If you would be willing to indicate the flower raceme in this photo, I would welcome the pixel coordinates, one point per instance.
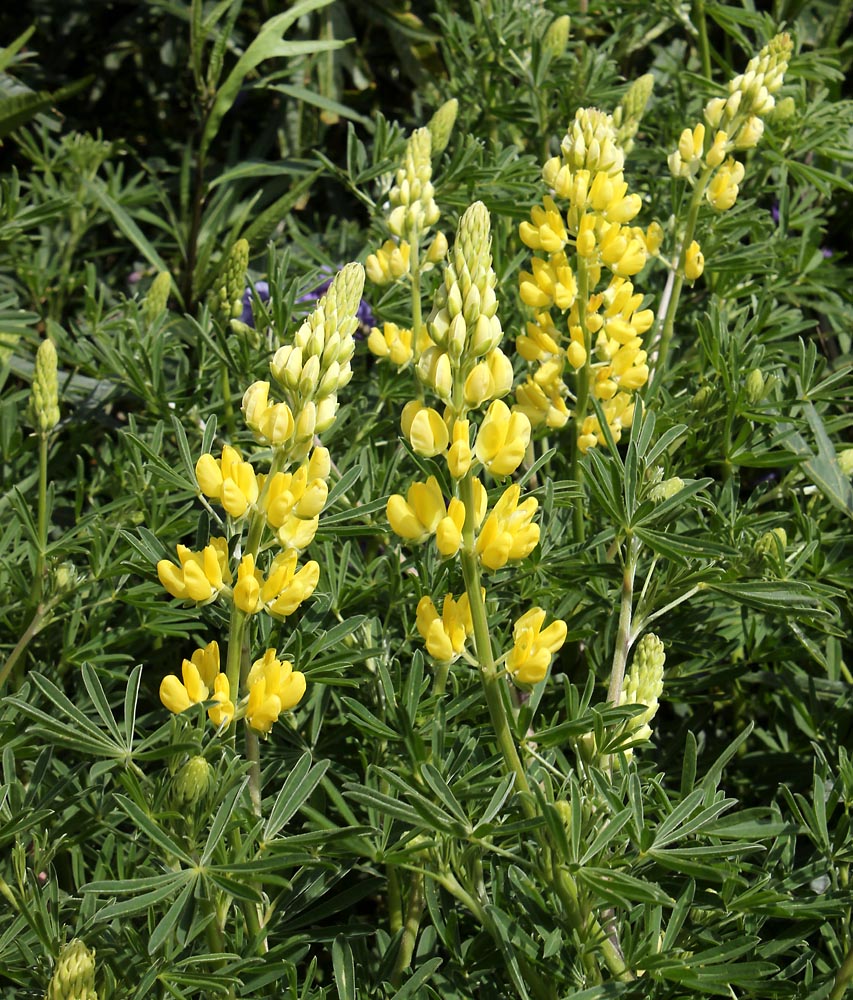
(533, 646)
(591, 234)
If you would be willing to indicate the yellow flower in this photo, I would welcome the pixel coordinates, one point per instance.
(509, 531)
(392, 342)
(416, 517)
(533, 647)
(426, 430)
(448, 532)
(222, 712)
(489, 378)
(445, 636)
(274, 687)
(542, 340)
(271, 423)
(459, 455)
(199, 675)
(230, 480)
(200, 576)
(247, 589)
(540, 405)
(723, 190)
(547, 232)
(694, 262)
(552, 282)
(285, 588)
(391, 261)
(502, 439)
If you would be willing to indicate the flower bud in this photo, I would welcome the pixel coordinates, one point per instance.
(557, 37)
(441, 126)
(157, 298)
(694, 262)
(44, 392)
(754, 387)
(193, 781)
(74, 974)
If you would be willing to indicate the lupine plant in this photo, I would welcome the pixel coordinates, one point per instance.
(427, 559)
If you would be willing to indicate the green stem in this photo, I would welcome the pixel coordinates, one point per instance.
(485, 656)
(842, 977)
(701, 24)
(31, 630)
(623, 635)
(414, 912)
(395, 901)
(564, 883)
(582, 380)
(38, 577)
(667, 320)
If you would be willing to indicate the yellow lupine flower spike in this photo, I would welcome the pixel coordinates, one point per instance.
(229, 480)
(534, 646)
(200, 576)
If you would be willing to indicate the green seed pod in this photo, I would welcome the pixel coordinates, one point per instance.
(441, 126)
(157, 297)
(193, 781)
(845, 461)
(44, 392)
(74, 974)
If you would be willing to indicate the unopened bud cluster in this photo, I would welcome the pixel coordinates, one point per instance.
(227, 301)
(644, 684)
(270, 517)
(630, 111)
(413, 211)
(310, 371)
(467, 372)
(584, 225)
(44, 392)
(732, 124)
(74, 975)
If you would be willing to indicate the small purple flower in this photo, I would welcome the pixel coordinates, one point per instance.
(262, 290)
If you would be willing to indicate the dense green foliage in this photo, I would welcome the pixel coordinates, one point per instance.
(383, 847)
